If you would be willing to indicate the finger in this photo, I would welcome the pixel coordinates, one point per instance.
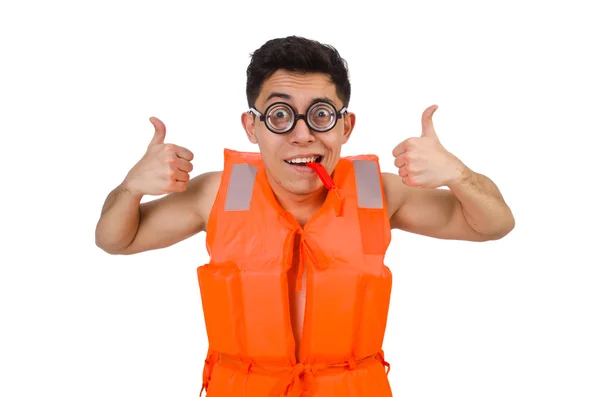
(427, 122)
(403, 172)
(401, 160)
(408, 181)
(180, 176)
(183, 165)
(160, 131)
(184, 153)
(177, 186)
(399, 149)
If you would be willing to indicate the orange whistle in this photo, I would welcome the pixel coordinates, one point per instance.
(322, 173)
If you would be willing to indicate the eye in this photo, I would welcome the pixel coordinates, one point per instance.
(280, 117)
(322, 115)
(281, 114)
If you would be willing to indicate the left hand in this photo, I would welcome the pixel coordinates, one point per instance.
(423, 161)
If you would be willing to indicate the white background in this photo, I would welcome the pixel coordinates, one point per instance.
(517, 87)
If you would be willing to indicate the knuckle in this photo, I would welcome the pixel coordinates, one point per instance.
(179, 186)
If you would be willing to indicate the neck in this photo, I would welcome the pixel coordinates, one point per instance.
(302, 206)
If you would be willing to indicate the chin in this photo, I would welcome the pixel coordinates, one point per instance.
(301, 187)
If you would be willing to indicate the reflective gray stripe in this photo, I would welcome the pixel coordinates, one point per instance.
(241, 184)
(368, 186)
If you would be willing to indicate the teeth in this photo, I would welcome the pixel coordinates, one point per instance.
(302, 160)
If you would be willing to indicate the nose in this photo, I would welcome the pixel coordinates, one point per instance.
(301, 134)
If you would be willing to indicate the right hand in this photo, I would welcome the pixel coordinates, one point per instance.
(163, 169)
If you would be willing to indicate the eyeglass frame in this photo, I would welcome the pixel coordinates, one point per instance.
(338, 115)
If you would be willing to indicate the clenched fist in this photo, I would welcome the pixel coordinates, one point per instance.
(163, 169)
(423, 161)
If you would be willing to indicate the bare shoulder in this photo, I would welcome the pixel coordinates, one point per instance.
(418, 210)
(396, 192)
(207, 187)
(195, 201)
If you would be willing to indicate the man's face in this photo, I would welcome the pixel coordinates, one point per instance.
(298, 91)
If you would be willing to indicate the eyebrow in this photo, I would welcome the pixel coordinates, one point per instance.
(277, 95)
(325, 99)
(289, 97)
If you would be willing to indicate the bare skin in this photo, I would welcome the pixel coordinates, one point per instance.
(471, 209)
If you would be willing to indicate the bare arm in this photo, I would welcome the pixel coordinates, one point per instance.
(482, 205)
(472, 210)
(126, 227)
(119, 220)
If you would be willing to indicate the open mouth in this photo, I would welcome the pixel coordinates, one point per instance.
(301, 161)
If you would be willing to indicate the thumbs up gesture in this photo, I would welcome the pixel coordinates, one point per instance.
(164, 168)
(423, 161)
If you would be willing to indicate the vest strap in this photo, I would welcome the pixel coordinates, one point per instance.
(211, 359)
(371, 213)
(310, 252)
(300, 378)
(240, 188)
(368, 187)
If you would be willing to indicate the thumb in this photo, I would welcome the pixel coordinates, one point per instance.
(427, 122)
(160, 131)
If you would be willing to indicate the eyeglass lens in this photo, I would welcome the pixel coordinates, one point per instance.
(281, 117)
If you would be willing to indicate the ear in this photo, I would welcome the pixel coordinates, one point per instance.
(349, 121)
(248, 124)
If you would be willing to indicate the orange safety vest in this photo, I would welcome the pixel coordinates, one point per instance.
(244, 287)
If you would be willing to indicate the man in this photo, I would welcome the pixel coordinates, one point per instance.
(296, 294)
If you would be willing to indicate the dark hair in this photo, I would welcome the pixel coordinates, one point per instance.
(300, 55)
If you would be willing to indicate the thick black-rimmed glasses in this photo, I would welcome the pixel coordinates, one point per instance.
(280, 117)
